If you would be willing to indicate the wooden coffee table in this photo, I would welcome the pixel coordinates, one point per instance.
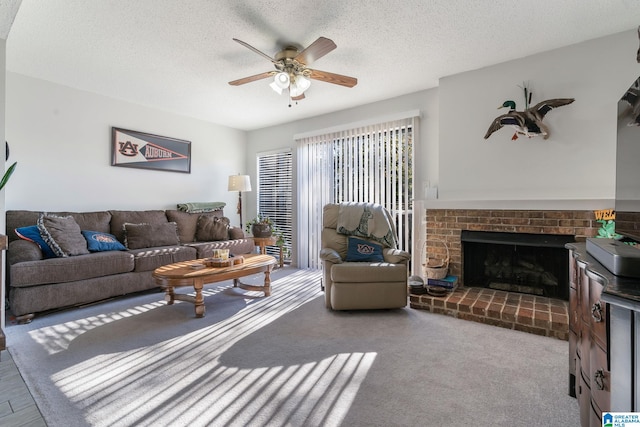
(179, 274)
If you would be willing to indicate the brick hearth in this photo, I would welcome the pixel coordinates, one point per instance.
(535, 314)
(528, 313)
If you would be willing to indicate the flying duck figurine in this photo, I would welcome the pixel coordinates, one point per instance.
(527, 122)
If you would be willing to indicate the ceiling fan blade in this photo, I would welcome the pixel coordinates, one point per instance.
(316, 50)
(248, 46)
(298, 98)
(252, 78)
(336, 79)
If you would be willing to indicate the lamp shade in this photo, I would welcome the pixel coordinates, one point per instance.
(239, 183)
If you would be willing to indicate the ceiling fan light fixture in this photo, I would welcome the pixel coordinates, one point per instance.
(281, 80)
(302, 82)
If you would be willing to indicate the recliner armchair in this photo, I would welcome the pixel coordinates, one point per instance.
(361, 285)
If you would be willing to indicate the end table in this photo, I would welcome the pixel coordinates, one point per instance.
(263, 242)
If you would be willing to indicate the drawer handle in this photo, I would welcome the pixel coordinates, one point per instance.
(599, 379)
(596, 312)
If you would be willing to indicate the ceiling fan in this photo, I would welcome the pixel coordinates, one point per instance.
(291, 70)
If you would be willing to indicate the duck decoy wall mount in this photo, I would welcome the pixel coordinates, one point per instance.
(528, 122)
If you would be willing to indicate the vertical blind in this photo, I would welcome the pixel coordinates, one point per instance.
(365, 164)
(275, 193)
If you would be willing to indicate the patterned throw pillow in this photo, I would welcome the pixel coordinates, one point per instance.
(212, 228)
(360, 250)
(98, 242)
(62, 234)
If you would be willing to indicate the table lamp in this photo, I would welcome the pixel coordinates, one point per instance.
(239, 183)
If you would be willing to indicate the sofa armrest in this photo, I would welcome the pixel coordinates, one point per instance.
(395, 256)
(330, 255)
(23, 250)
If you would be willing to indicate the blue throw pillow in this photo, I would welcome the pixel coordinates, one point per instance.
(363, 250)
(32, 234)
(97, 241)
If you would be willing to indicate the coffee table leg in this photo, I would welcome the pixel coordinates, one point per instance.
(199, 300)
(169, 295)
(267, 282)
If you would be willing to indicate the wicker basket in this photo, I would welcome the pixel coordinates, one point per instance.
(435, 268)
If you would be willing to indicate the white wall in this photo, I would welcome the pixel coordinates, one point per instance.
(574, 168)
(577, 162)
(61, 140)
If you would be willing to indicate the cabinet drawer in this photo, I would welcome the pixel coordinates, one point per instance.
(583, 294)
(584, 350)
(573, 271)
(584, 401)
(600, 378)
(598, 311)
(574, 313)
(573, 352)
(595, 417)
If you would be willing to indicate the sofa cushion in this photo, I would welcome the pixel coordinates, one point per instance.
(118, 218)
(365, 272)
(63, 235)
(188, 223)
(32, 234)
(98, 242)
(138, 236)
(212, 228)
(69, 269)
(96, 221)
(148, 259)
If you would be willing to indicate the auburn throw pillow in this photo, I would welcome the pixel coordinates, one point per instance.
(363, 251)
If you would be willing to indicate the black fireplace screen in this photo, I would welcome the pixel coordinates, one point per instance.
(517, 262)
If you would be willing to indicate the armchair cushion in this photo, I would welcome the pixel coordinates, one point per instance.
(360, 250)
(365, 272)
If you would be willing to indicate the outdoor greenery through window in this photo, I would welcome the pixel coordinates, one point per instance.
(368, 164)
(275, 196)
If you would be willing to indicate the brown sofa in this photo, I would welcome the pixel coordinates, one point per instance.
(155, 238)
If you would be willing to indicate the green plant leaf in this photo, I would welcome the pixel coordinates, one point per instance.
(7, 175)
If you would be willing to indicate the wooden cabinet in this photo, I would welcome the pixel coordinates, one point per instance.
(604, 338)
(589, 371)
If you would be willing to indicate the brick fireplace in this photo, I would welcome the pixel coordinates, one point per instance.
(530, 313)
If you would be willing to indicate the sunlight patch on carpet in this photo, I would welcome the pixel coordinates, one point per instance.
(153, 383)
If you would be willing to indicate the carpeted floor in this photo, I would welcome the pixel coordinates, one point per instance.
(285, 361)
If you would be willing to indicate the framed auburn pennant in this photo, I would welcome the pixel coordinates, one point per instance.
(141, 150)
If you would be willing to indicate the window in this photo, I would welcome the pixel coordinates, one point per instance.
(275, 197)
(367, 164)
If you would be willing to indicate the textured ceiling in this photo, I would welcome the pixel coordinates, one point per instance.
(178, 55)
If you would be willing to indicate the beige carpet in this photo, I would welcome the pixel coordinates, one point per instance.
(285, 361)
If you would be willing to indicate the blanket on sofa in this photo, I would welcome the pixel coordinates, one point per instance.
(200, 207)
(368, 220)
